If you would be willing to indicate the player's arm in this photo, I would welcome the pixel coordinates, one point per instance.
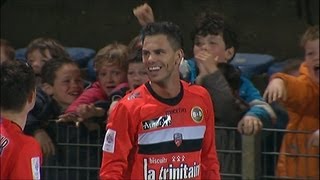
(118, 142)
(209, 159)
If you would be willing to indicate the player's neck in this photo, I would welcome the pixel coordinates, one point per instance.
(18, 118)
(169, 90)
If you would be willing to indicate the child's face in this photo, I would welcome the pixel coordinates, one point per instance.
(137, 74)
(37, 60)
(213, 44)
(312, 58)
(110, 76)
(68, 85)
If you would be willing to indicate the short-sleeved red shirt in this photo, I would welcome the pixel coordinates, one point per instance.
(20, 155)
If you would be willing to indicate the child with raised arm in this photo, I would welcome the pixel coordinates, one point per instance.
(214, 42)
(300, 95)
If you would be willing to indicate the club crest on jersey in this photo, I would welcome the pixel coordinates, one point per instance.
(177, 137)
(162, 121)
(197, 114)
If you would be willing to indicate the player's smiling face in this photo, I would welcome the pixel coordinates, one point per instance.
(159, 58)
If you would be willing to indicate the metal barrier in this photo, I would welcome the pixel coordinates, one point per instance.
(254, 158)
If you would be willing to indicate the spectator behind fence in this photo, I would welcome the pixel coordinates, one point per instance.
(7, 52)
(150, 133)
(41, 50)
(20, 155)
(137, 75)
(300, 95)
(111, 66)
(61, 85)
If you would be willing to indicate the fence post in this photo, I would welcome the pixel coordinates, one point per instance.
(251, 157)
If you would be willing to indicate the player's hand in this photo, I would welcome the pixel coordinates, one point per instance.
(249, 125)
(45, 142)
(144, 14)
(314, 139)
(275, 90)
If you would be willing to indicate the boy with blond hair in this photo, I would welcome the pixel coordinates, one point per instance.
(111, 66)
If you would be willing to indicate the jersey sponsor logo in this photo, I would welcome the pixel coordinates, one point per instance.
(175, 111)
(182, 171)
(177, 137)
(35, 167)
(162, 121)
(109, 141)
(3, 143)
(197, 114)
(153, 160)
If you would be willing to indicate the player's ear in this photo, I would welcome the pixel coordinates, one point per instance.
(32, 96)
(180, 56)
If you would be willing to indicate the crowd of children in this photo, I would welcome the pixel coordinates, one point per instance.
(69, 111)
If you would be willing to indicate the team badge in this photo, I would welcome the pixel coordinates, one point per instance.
(177, 137)
(197, 114)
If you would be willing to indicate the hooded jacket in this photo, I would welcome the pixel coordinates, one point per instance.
(303, 108)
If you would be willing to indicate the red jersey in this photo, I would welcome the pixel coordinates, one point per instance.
(149, 137)
(20, 154)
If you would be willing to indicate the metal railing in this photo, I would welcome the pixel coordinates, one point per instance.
(255, 158)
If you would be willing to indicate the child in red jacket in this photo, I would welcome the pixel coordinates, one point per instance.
(111, 66)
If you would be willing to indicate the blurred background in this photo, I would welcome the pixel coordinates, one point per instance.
(264, 26)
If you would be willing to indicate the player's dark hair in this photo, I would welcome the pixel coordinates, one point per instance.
(169, 29)
(17, 83)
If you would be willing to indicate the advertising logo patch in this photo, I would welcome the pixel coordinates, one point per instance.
(161, 121)
(109, 141)
(197, 114)
(177, 137)
(35, 167)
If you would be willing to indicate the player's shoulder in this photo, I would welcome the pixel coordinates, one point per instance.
(194, 89)
(19, 142)
(136, 97)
